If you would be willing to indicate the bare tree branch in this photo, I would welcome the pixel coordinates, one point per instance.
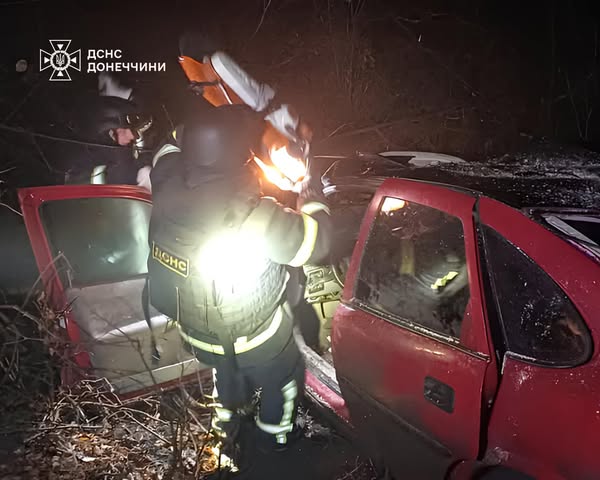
(262, 18)
(11, 209)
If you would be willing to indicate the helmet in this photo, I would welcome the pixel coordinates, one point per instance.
(221, 81)
(117, 108)
(114, 112)
(220, 139)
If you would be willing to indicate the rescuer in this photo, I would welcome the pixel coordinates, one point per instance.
(116, 119)
(219, 251)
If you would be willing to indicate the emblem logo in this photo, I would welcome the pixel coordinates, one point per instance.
(176, 264)
(60, 60)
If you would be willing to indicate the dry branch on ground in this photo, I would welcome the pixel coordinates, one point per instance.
(88, 432)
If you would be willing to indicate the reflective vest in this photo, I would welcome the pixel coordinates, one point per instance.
(198, 273)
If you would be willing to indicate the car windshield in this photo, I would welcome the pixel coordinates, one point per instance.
(584, 229)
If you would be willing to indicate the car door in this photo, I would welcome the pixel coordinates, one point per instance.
(410, 339)
(91, 247)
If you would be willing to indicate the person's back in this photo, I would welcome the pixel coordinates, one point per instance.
(217, 266)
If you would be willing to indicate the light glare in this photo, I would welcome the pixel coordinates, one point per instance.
(286, 172)
(234, 261)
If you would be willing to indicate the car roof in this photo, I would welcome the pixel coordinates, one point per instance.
(546, 178)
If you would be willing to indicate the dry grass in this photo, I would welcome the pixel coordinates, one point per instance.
(86, 431)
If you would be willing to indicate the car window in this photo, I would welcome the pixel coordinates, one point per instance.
(587, 226)
(584, 230)
(102, 239)
(413, 268)
(347, 211)
(539, 321)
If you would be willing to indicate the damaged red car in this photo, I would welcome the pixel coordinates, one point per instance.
(458, 316)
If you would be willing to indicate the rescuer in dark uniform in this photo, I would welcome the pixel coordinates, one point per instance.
(116, 119)
(219, 251)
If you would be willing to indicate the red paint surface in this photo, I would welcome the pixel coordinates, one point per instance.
(332, 399)
(547, 420)
(389, 362)
(30, 200)
(544, 421)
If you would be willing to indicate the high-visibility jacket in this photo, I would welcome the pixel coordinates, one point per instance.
(188, 220)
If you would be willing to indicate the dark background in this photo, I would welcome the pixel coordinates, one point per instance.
(471, 78)
(464, 77)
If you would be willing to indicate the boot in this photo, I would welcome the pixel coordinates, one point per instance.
(266, 444)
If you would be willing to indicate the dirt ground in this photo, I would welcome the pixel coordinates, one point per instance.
(88, 433)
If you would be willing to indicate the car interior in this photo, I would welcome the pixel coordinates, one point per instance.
(325, 283)
(102, 269)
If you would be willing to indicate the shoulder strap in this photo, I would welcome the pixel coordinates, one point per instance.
(166, 149)
(146, 310)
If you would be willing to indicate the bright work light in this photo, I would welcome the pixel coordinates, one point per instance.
(234, 261)
(285, 171)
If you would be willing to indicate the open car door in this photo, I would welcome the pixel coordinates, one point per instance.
(409, 340)
(91, 246)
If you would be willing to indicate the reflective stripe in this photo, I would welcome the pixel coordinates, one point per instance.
(290, 392)
(241, 345)
(223, 414)
(311, 228)
(215, 393)
(441, 282)
(164, 150)
(407, 249)
(200, 345)
(314, 207)
(98, 176)
(216, 424)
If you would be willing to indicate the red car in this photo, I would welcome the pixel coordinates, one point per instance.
(464, 303)
(464, 344)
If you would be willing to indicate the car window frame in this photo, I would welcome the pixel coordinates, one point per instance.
(395, 319)
(541, 216)
(500, 337)
(30, 200)
(65, 274)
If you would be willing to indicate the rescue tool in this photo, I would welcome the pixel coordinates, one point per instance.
(221, 81)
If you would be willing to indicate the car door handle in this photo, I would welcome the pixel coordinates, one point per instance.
(440, 394)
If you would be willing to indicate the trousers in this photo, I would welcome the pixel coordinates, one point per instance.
(279, 381)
